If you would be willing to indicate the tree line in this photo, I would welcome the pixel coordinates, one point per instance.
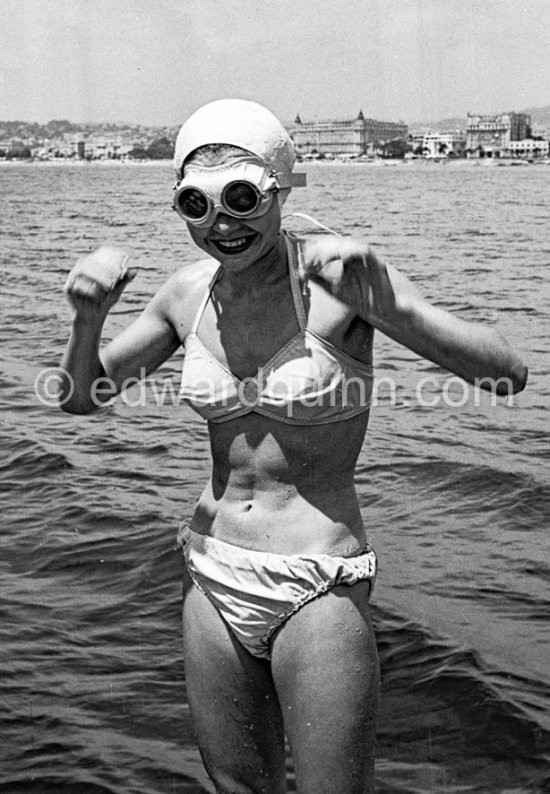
(160, 149)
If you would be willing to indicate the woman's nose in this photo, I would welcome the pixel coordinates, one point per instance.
(224, 224)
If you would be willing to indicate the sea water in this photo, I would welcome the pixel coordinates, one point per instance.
(454, 490)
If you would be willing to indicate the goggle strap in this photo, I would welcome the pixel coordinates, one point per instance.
(298, 179)
(290, 180)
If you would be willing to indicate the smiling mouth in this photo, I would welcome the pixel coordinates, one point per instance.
(236, 246)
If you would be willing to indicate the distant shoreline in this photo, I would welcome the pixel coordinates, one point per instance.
(459, 162)
(81, 163)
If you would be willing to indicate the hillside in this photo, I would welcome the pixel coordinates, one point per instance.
(59, 127)
(55, 129)
(539, 116)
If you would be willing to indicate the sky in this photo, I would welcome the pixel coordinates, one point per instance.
(155, 61)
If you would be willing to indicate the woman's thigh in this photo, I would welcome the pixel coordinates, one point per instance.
(326, 672)
(233, 703)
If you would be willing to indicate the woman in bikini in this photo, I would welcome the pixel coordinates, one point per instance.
(278, 334)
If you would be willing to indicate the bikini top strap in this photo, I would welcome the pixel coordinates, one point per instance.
(294, 255)
(205, 299)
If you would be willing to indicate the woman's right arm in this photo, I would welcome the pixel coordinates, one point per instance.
(89, 379)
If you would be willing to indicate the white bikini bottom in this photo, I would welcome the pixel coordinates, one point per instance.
(255, 592)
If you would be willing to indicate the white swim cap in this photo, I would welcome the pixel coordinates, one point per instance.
(238, 122)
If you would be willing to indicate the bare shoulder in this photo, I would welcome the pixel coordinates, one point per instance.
(183, 291)
(191, 277)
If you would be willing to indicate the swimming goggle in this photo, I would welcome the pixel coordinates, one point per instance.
(242, 189)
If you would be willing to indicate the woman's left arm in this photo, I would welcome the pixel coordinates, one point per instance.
(392, 304)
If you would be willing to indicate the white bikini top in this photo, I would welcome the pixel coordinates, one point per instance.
(308, 381)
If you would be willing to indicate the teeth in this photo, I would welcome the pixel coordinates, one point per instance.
(232, 243)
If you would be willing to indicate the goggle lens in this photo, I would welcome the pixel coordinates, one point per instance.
(193, 203)
(241, 198)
